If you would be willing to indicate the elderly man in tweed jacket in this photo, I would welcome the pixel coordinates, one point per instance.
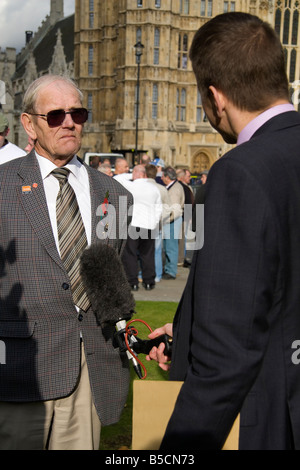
(62, 378)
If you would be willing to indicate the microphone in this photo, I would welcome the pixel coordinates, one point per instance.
(106, 284)
(108, 290)
(110, 294)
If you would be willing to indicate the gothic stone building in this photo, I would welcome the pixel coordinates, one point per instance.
(96, 46)
(171, 121)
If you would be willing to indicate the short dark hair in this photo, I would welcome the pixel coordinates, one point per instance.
(151, 171)
(170, 172)
(242, 56)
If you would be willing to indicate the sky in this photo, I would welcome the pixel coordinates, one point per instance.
(18, 16)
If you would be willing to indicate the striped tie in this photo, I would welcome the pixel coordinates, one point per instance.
(71, 236)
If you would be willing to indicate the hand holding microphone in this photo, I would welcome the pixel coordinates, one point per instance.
(160, 353)
(112, 301)
(108, 290)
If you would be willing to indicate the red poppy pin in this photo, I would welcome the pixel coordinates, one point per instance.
(104, 205)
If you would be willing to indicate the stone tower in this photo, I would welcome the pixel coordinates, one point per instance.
(171, 123)
(56, 10)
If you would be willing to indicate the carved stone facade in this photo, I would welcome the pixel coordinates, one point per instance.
(171, 121)
(98, 50)
(7, 95)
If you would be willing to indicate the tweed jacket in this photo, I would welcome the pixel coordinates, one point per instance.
(39, 324)
(237, 328)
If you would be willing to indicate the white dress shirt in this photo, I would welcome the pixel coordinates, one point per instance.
(147, 205)
(79, 180)
(9, 152)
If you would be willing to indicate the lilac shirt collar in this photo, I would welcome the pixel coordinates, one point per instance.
(260, 120)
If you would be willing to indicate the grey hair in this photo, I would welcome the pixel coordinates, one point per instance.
(35, 87)
(170, 172)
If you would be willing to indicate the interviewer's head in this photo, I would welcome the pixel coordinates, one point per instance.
(241, 56)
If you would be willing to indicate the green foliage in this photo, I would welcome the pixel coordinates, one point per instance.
(155, 314)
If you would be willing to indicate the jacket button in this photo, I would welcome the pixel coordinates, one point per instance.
(80, 317)
(65, 286)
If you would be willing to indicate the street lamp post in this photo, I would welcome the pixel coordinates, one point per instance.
(138, 54)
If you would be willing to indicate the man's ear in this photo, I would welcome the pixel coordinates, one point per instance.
(26, 120)
(218, 101)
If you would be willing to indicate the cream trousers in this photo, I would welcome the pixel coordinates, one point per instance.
(69, 423)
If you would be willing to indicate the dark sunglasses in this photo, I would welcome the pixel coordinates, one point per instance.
(56, 117)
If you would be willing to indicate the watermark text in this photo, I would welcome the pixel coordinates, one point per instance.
(115, 225)
(2, 353)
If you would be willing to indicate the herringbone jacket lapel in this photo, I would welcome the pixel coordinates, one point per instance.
(31, 194)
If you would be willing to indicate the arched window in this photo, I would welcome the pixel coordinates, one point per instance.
(91, 13)
(155, 101)
(181, 105)
(139, 35)
(206, 7)
(295, 28)
(156, 46)
(90, 107)
(185, 6)
(91, 61)
(293, 65)
(286, 26)
(285, 53)
(182, 51)
(200, 115)
(278, 21)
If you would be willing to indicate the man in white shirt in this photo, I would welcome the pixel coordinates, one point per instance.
(8, 151)
(146, 215)
(121, 172)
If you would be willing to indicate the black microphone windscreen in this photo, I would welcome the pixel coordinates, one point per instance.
(106, 284)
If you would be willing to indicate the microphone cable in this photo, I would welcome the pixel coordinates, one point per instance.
(133, 332)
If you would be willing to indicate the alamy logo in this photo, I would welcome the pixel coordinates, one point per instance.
(296, 94)
(113, 224)
(296, 354)
(2, 353)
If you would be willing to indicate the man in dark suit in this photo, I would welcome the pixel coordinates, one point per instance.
(62, 378)
(237, 327)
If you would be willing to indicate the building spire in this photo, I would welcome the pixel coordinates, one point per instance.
(59, 64)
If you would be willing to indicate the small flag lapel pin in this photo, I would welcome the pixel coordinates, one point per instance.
(26, 189)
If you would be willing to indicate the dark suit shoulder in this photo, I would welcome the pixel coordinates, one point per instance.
(273, 149)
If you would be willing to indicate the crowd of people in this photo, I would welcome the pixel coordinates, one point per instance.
(158, 209)
(236, 332)
(158, 217)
